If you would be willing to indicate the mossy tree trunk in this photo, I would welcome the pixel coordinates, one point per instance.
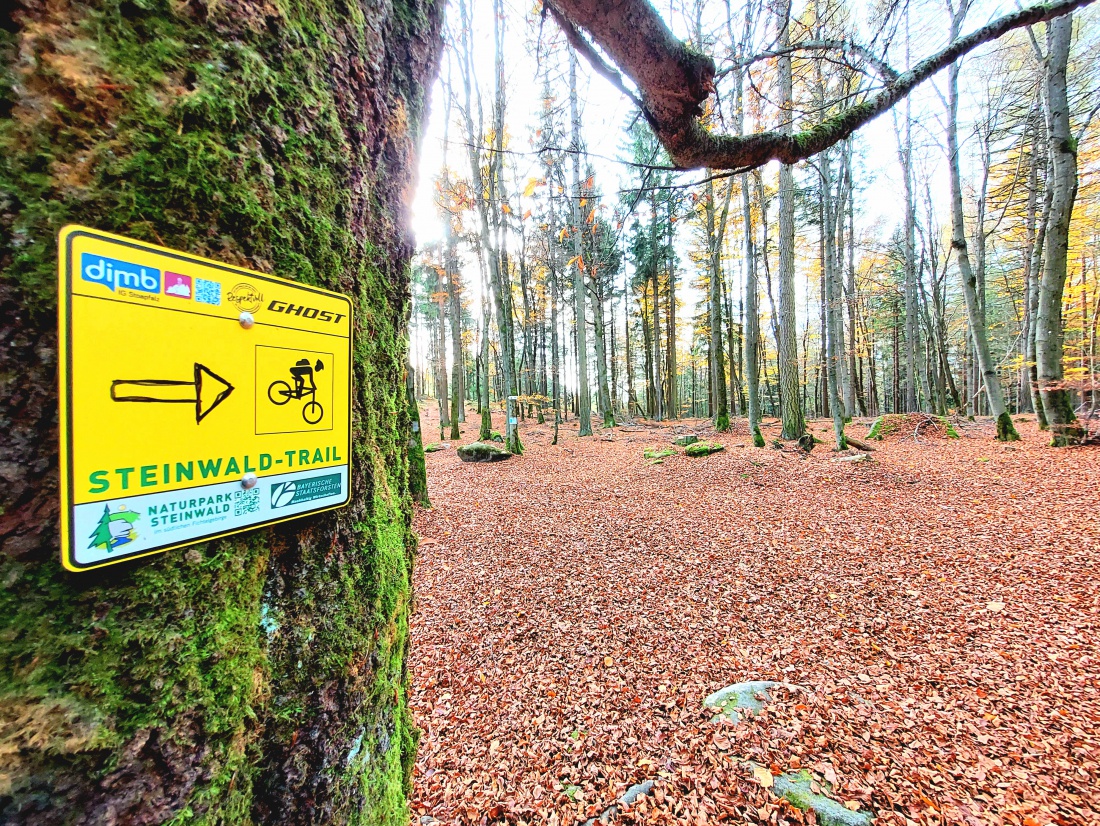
(255, 679)
(1057, 398)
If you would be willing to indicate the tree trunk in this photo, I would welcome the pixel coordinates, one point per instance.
(672, 406)
(833, 312)
(259, 678)
(912, 335)
(584, 412)
(1057, 402)
(794, 423)
(752, 319)
(1006, 431)
(716, 360)
(442, 391)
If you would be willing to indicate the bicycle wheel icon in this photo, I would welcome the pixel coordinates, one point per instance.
(279, 392)
(313, 412)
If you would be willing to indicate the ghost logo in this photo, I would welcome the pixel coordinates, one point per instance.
(245, 298)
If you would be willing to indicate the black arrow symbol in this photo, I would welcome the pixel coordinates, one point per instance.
(206, 391)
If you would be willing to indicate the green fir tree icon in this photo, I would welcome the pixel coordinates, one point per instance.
(110, 532)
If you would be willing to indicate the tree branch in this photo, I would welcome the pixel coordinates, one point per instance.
(674, 82)
(882, 68)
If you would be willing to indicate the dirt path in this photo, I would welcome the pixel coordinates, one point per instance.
(574, 606)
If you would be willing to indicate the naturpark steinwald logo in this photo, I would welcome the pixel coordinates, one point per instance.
(114, 529)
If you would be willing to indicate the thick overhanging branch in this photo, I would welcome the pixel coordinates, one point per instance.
(674, 82)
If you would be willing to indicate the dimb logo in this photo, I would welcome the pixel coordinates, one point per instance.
(245, 297)
(114, 529)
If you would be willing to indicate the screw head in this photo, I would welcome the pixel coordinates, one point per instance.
(248, 481)
(247, 320)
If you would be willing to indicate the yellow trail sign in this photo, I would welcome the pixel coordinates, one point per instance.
(197, 399)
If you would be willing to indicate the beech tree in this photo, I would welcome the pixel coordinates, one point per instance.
(258, 678)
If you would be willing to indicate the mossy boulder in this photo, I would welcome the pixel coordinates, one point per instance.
(482, 452)
(496, 437)
(733, 699)
(796, 789)
(657, 454)
(433, 447)
(703, 448)
(686, 439)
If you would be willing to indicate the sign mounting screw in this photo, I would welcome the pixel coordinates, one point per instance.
(247, 320)
(248, 481)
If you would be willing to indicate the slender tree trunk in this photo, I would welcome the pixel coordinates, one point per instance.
(752, 318)
(584, 412)
(1057, 400)
(715, 352)
(672, 406)
(794, 423)
(598, 338)
(1006, 431)
(834, 312)
(912, 334)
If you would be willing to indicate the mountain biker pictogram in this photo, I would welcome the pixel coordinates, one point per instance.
(280, 392)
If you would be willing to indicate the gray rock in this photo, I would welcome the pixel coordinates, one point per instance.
(482, 452)
(795, 788)
(636, 791)
(739, 697)
(684, 441)
(629, 797)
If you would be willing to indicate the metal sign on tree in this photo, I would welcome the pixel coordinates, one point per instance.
(197, 399)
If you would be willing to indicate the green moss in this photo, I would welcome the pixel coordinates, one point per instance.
(722, 423)
(951, 433)
(703, 449)
(878, 429)
(657, 453)
(1006, 430)
(151, 645)
(757, 437)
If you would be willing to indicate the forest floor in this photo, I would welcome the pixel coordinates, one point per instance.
(935, 614)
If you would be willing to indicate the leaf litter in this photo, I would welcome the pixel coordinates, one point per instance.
(931, 616)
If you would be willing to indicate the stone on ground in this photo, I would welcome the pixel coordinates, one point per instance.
(482, 452)
(739, 696)
(688, 439)
(795, 788)
(703, 448)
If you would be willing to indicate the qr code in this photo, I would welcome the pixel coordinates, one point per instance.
(246, 502)
(208, 292)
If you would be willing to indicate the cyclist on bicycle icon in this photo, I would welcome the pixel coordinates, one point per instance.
(302, 371)
(304, 386)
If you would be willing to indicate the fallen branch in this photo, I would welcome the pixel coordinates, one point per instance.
(858, 443)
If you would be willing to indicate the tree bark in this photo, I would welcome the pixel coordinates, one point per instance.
(1049, 332)
(258, 678)
(1006, 431)
(794, 423)
(584, 412)
(716, 355)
